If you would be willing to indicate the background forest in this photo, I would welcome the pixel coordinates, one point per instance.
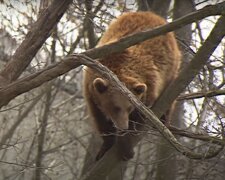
(45, 132)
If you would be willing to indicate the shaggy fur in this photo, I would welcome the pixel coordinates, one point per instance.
(146, 69)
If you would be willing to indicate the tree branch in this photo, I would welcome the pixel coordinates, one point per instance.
(192, 69)
(133, 39)
(196, 95)
(197, 136)
(33, 41)
(10, 132)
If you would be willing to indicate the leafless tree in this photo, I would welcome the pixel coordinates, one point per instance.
(45, 130)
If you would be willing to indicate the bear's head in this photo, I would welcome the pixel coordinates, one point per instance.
(115, 105)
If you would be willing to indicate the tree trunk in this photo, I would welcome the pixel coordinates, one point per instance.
(168, 168)
(160, 7)
(41, 135)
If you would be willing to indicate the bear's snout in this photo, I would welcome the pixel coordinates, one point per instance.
(122, 124)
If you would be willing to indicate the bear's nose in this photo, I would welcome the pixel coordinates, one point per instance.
(122, 124)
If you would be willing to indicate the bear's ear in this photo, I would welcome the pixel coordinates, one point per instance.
(100, 84)
(140, 88)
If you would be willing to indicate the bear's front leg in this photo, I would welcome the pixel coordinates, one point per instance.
(124, 139)
(105, 128)
(108, 134)
(124, 145)
(108, 141)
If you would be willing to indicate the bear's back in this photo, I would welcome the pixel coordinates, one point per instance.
(158, 57)
(129, 23)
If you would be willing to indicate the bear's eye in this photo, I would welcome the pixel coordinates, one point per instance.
(116, 109)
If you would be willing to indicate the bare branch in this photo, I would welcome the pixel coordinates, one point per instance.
(192, 69)
(35, 38)
(199, 136)
(20, 119)
(196, 95)
(133, 39)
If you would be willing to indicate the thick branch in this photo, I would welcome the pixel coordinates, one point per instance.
(35, 38)
(192, 69)
(133, 39)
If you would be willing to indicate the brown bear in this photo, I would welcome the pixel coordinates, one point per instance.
(146, 69)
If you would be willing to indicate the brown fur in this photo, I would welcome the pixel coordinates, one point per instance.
(146, 69)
